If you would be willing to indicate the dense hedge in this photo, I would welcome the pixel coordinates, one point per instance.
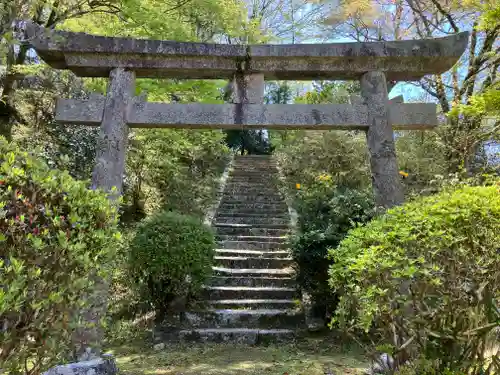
(170, 257)
(425, 278)
(326, 214)
(54, 233)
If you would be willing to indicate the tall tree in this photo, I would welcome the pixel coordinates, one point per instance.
(14, 46)
(475, 74)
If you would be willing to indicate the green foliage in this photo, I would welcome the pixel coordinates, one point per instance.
(326, 214)
(173, 169)
(170, 257)
(278, 93)
(425, 277)
(421, 156)
(304, 155)
(325, 92)
(248, 142)
(54, 233)
(63, 146)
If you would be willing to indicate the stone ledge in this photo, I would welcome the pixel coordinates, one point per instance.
(101, 366)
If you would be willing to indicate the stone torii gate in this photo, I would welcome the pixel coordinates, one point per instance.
(248, 66)
(125, 59)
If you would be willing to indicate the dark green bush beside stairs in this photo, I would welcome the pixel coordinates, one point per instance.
(54, 234)
(171, 256)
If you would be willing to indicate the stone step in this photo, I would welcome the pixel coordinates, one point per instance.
(252, 262)
(250, 190)
(252, 245)
(253, 272)
(255, 163)
(280, 282)
(273, 239)
(253, 207)
(246, 304)
(235, 199)
(226, 229)
(253, 225)
(253, 253)
(254, 156)
(236, 318)
(255, 177)
(253, 212)
(247, 292)
(251, 170)
(237, 335)
(264, 180)
(254, 219)
(265, 185)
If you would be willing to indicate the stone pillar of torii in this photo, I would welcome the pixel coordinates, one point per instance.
(123, 60)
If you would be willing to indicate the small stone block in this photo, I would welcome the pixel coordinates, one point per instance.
(105, 365)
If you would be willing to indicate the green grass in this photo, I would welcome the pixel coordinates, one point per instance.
(311, 357)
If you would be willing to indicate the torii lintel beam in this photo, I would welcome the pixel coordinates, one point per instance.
(141, 114)
(95, 56)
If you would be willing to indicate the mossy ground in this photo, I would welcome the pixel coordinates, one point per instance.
(312, 356)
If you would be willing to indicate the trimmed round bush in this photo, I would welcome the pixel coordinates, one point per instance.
(54, 234)
(425, 278)
(171, 256)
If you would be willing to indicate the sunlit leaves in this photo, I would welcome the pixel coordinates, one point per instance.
(428, 269)
(54, 234)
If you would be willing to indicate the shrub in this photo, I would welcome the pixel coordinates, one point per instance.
(170, 257)
(54, 232)
(326, 214)
(425, 278)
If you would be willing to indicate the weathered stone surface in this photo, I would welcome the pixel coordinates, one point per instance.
(266, 239)
(237, 318)
(282, 282)
(248, 88)
(236, 292)
(280, 219)
(253, 262)
(273, 116)
(387, 187)
(241, 231)
(212, 210)
(108, 174)
(313, 323)
(237, 335)
(113, 137)
(242, 198)
(231, 243)
(253, 272)
(253, 303)
(95, 56)
(253, 253)
(101, 366)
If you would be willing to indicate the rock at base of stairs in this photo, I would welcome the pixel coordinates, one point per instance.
(240, 318)
(101, 366)
(237, 335)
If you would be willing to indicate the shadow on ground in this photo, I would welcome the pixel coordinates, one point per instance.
(309, 356)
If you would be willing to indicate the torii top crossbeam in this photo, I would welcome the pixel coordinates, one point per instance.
(95, 56)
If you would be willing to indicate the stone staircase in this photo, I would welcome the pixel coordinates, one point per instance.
(251, 297)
